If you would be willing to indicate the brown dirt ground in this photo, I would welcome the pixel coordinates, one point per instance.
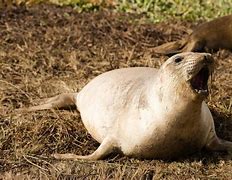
(45, 50)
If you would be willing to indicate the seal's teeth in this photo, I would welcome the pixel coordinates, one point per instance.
(201, 91)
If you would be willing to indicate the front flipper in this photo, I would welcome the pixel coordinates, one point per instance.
(217, 144)
(106, 147)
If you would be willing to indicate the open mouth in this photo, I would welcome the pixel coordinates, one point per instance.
(199, 82)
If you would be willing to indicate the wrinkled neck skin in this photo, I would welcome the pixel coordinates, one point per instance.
(176, 97)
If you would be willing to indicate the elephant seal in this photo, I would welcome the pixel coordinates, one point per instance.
(146, 112)
(211, 35)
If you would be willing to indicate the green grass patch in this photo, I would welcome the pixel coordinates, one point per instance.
(155, 10)
(158, 10)
(80, 5)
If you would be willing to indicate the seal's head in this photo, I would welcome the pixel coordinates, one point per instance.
(188, 74)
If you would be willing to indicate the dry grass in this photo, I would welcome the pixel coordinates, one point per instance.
(45, 50)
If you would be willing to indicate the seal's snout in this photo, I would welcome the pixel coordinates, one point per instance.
(208, 62)
(207, 59)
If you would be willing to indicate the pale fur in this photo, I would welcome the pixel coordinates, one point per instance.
(145, 112)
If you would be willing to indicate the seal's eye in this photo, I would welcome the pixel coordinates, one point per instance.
(178, 59)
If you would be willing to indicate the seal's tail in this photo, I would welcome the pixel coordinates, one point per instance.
(170, 48)
(60, 101)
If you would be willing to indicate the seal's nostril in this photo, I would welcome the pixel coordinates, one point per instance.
(208, 58)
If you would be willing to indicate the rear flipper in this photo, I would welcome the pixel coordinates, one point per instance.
(106, 147)
(170, 48)
(59, 101)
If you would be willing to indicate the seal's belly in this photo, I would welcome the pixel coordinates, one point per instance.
(173, 148)
(170, 145)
